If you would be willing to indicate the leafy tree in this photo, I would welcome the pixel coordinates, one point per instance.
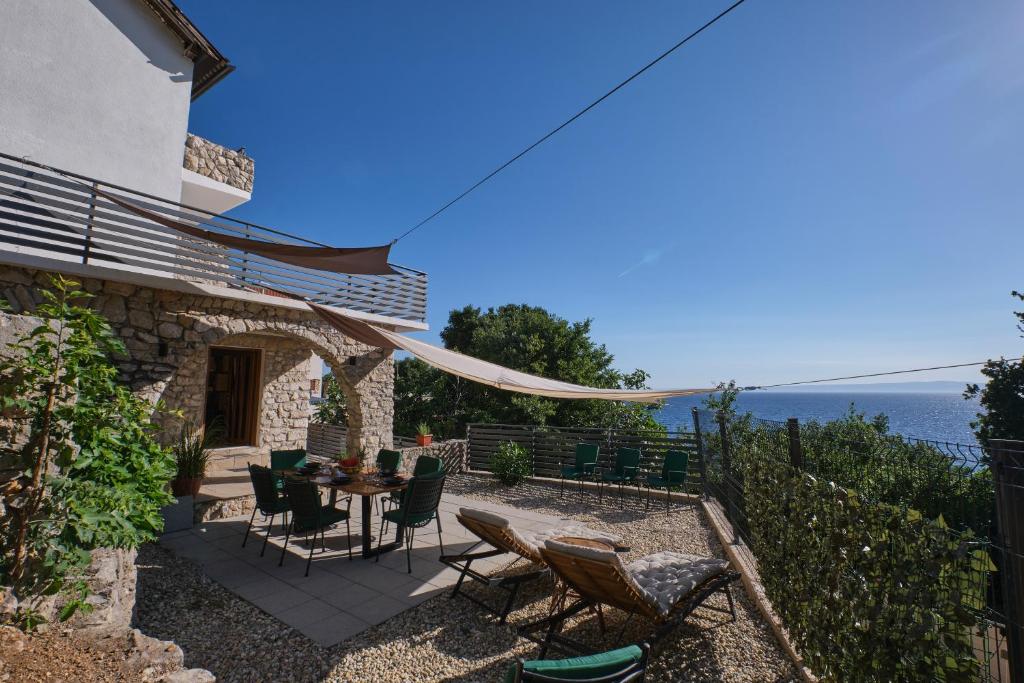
(525, 338)
(83, 469)
(1002, 397)
(332, 409)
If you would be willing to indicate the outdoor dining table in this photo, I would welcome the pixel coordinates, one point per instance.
(366, 486)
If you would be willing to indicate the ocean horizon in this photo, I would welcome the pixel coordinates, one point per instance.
(936, 415)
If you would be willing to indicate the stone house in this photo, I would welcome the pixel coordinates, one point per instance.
(97, 93)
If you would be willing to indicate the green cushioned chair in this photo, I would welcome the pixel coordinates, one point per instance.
(673, 475)
(310, 514)
(417, 509)
(290, 459)
(388, 460)
(583, 467)
(616, 666)
(624, 472)
(269, 501)
(425, 464)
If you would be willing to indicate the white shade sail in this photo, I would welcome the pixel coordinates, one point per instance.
(481, 371)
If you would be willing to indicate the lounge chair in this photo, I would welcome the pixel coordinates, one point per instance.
(583, 466)
(498, 532)
(663, 588)
(624, 665)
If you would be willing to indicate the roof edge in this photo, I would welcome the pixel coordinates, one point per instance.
(210, 65)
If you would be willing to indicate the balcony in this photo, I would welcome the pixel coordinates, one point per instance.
(50, 222)
(214, 177)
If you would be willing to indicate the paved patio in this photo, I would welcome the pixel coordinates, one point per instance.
(340, 597)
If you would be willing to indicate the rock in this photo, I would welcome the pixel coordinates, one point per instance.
(140, 318)
(8, 603)
(190, 676)
(148, 652)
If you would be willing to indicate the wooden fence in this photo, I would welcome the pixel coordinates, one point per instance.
(551, 447)
(329, 441)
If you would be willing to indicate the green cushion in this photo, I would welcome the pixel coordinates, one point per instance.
(395, 517)
(589, 666)
(328, 516)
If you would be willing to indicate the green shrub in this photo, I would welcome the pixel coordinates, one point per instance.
(511, 464)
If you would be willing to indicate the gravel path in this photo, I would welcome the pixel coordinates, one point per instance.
(448, 640)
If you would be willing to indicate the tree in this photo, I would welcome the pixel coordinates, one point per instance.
(332, 409)
(1002, 396)
(82, 467)
(525, 338)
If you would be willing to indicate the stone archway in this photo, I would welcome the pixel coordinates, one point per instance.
(365, 374)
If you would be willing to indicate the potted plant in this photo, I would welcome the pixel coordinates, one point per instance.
(350, 465)
(423, 435)
(192, 455)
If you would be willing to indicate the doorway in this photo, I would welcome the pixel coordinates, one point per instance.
(232, 394)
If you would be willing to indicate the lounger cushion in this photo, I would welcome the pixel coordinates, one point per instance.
(485, 517)
(582, 551)
(537, 539)
(667, 577)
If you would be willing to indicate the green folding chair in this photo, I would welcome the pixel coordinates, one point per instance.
(627, 664)
(673, 475)
(583, 467)
(625, 471)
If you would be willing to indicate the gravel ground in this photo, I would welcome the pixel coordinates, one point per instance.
(454, 640)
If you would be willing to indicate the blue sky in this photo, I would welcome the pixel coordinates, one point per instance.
(806, 190)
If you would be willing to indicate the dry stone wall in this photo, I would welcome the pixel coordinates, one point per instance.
(168, 335)
(233, 167)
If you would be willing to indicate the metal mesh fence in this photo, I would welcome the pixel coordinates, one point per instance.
(974, 495)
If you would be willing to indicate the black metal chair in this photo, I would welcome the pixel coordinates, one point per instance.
(269, 501)
(417, 509)
(310, 514)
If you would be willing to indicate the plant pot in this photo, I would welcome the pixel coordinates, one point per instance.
(186, 487)
(424, 439)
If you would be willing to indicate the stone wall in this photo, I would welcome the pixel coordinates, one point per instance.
(168, 336)
(454, 453)
(236, 168)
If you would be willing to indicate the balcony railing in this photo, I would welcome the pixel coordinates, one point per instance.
(46, 215)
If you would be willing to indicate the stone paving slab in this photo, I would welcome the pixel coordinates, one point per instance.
(341, 597)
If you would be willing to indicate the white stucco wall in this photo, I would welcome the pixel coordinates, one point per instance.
(98, 87)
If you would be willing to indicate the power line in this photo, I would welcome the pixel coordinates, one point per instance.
(568, 121)
(874, 374)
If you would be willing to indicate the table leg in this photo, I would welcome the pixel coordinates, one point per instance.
(368, 549)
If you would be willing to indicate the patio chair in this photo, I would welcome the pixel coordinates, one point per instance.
(269, 501)
(583, 466)
(625, 471)
(418, 509)
(663, 589)
(673, 474)
(425, 464)
(624, 665)
(387, 461)
(289, 459)
(310, 514)
(498, 532)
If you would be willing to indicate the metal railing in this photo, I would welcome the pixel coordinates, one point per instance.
(48, 215)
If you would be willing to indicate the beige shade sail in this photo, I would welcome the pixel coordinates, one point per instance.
(354, 260)
(481, 371)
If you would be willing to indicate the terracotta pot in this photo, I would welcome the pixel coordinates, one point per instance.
(186, 487)
(424, 439)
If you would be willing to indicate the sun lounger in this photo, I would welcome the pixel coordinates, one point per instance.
(663, 588)
(498, 532)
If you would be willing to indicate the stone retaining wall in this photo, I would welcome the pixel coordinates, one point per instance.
(454, 453)
(233, 167)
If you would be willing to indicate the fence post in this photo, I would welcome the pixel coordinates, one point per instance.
(1008, 473)
(796, 452)
(700, 453)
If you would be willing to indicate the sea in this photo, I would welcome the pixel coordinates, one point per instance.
(939, 416)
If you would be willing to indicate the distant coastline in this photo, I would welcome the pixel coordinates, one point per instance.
(935, 387)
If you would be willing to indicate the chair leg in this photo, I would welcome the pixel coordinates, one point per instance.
(249, 528)
(668, 499)
(600, 492)
(312, 547)
(380, 539)
(408, 549)
(267, 537)
(732, 606)
(287, 534)
(348, 532)
(440, 541)
(561, 487)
